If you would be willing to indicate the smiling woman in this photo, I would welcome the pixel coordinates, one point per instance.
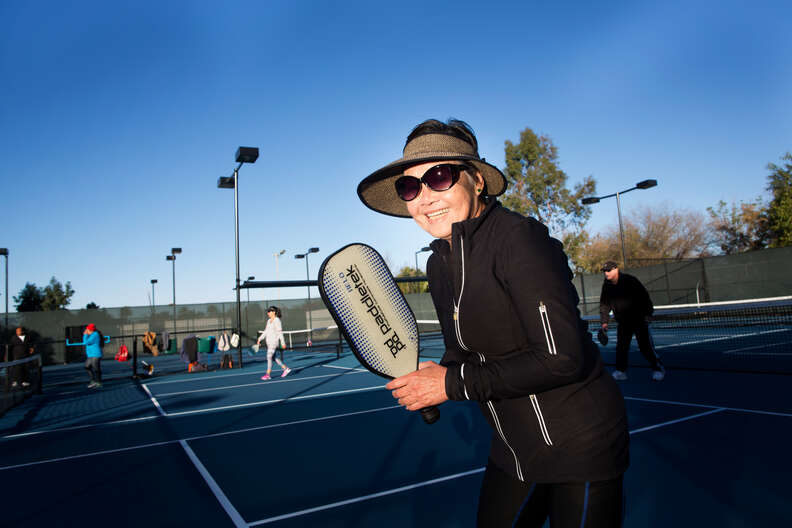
(514, 339)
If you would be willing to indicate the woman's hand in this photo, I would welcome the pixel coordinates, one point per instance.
(423, 388)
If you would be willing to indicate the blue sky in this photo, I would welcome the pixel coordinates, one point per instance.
(117, 118)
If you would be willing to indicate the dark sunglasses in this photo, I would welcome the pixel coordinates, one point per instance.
(438, 178)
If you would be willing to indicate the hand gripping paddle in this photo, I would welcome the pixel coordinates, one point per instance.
(372, 313)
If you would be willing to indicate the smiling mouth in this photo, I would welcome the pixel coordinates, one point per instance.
(435, 214)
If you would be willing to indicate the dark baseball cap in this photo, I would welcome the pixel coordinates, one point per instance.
(609, 265)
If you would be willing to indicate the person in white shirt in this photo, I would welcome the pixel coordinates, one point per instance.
(272, 335)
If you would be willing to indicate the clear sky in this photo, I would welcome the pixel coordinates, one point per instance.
(117, 118)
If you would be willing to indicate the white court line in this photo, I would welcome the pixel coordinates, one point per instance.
(346, 368)
(171, 415)
(267, 402)
(430, 482)
(734, 351)
(154, 401)
(189, 439)
(366, 497)
(678, 420)
(705, 406)
(232, 512)
(76, 427)
(258, 383)
(713, 339)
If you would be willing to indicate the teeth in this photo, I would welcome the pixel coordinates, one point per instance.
(437, 213)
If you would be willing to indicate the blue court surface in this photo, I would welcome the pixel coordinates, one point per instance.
(328, 446)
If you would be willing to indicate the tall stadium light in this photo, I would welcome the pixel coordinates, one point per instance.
(243, 155)
(423, 249)
(277, 257)
(308, 277)
(4, 252)
(153, 301)
(645, 184)
(172, 258)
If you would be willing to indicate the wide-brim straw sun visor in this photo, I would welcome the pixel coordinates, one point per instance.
(378, 192)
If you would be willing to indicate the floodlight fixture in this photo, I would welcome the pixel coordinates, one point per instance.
(4, 251)
(170, 257)
(225, 182)
(590, 200)
(646, 184)
(175, 251)
(153, 281)
(299, 256)
(247, 154)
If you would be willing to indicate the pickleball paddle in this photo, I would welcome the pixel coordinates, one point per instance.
(358, 289)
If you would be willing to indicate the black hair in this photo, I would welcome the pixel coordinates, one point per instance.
(453, 127)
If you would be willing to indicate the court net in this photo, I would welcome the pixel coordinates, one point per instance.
(20, 379)
(741, 336)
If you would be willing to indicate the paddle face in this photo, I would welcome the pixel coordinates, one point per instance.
(371, 311)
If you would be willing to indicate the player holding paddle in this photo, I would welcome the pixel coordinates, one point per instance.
(515, 342)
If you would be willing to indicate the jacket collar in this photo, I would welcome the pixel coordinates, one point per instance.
(465, 228)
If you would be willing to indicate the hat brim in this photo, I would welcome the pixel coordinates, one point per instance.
(378, 191)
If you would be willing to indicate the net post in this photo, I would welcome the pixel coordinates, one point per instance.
(134, 358)
(40, 384)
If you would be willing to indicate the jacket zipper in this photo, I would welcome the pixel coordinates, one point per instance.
(458, 329)
(458, 301)
(540, 417)
(547, 330)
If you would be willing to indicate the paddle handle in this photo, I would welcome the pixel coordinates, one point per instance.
(430, 414)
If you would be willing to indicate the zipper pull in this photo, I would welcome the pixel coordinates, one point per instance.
(455, 315)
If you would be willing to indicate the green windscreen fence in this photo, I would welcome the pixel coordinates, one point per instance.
(759, 274)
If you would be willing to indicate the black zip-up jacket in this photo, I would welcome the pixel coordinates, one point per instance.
(628, 299)
(516, 344)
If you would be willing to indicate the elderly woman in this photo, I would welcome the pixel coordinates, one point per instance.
(515, 342)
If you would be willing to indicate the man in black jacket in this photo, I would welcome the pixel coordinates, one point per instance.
(20, 348)
(631, 305)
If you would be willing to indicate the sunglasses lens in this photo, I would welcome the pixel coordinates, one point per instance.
(440, 177)
(407, 187)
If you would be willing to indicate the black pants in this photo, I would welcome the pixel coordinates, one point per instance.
(624, 333)
(18, 373)
(506, 502)
(94, 367)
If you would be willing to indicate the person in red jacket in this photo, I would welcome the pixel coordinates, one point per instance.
(515, 341)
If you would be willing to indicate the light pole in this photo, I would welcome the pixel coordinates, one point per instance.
(308, 277)
(423, 249)
(4, 252)
(153, 302)
(277, 257)
(645, 184)
(172, 258)
(243, 155)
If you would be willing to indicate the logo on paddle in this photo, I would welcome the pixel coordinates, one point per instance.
(392, 341)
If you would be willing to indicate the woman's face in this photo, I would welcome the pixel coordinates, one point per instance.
(436, 211)
(271, 315)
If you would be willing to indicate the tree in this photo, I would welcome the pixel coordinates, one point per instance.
(412, 287)
(538, 188)
(29, 299)
(56, 295)
(650, 234)
(779, 211)
(737, 229)
(91, 306)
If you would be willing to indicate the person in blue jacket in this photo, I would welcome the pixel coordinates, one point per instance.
(93, 353)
